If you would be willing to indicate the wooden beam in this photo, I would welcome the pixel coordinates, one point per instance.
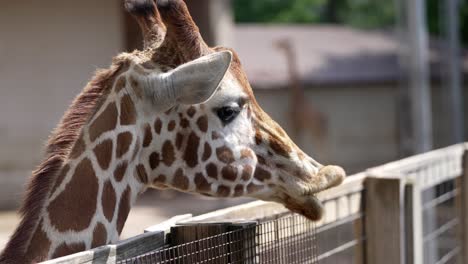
(384, 223)
(462, 205)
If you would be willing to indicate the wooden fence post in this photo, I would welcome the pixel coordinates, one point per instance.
(384, 221)
(462, 203)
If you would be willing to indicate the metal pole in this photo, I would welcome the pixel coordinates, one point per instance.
(453, 64)
(419, 86)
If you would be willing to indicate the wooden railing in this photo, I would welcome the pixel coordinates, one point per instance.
(408, 211)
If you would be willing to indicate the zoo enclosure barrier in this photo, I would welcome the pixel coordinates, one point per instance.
(414, 210)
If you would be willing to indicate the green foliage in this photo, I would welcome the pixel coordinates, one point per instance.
(360, 13)
(278, 11)
(367, 14)
(464, 23)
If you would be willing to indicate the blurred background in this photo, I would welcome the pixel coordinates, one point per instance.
(354, 82)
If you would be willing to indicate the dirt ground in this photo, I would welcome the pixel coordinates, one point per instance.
(152, 208)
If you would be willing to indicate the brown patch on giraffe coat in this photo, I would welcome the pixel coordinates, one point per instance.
(191, 111)
(202, 123)
(201, 183)
(212, 171)
(171, 126)
(124, 140)
(67, 249)
(103, 153)
(261, 159)
(206, 152)
(78, 148)
(280, 166)
(184, 123)
(141, 174)
(180, 181)
(74, 208)
(246, 154)
(148, 65)
(39, 244)
(238, 190)
(252, 187)
(215, 135)
(136, 87)
(223, 191)
(108, 200)
(154, 160)
(136, 149)
(258, 137)
(225, 154)
(127, 111)
(191, 151)
(246, 172)
(168, 153)
(157, 126)
(120, 171)
(104, 122)
(120, 84)
(229, 173)
(160, 180)
(99, 236)
(179, 140)
(262, 174)
(279, 147)
(61, 176)
(124, 209)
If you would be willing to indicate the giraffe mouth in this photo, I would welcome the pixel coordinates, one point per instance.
(308, 204)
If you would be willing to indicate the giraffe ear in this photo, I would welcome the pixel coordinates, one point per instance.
(196, 81)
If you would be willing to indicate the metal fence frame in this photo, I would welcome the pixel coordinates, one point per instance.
(384, 205)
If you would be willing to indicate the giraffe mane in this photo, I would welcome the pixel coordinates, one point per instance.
(58, 147)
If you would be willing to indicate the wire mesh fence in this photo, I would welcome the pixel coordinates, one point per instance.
(441, 223)
(288, 239)
(281, 238)
(410, 211)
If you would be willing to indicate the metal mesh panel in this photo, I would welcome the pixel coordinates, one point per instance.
(290, 238)
(440, 223)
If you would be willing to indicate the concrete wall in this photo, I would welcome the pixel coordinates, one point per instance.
(48, 51)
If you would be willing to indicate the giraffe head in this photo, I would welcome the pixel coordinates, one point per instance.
(204, 131)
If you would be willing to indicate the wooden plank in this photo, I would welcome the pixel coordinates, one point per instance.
(140, 245)
(384, 225)
(125, 249)
(166, 225)
(104, 254)
(462, 206)
(425, 158)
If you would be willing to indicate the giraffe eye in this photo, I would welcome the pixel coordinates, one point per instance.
(227, 114)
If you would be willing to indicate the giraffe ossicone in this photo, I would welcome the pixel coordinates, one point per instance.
(176, 115)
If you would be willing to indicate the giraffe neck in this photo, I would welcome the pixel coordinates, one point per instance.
(89, 196)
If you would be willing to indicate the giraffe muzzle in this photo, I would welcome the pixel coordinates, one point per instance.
(307, 204)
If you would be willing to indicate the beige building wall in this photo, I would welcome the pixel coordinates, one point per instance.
(362, 123)
(49, 49)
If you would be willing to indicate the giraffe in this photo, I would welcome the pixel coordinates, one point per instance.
(301, 110)
(177, 115)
